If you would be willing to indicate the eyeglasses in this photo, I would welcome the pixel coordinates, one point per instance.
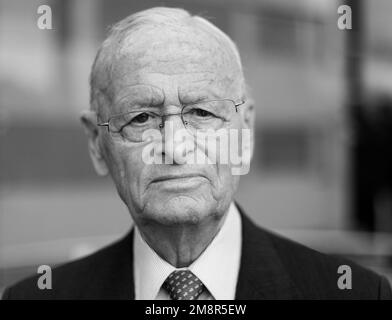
(200, 116)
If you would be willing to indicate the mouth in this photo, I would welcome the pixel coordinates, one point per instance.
(176, 177)
(177, 182)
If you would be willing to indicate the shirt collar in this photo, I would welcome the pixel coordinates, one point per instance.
(217, 267)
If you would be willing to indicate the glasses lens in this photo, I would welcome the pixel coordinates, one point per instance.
(132, 125)
(208, 115)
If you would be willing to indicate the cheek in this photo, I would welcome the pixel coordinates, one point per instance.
(225, 183)
(131, 168)
(125, 167)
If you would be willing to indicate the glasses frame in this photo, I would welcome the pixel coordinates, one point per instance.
(161, 125)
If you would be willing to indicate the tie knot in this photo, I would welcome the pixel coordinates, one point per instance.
(183, 285)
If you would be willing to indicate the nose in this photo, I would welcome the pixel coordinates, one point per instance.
(177, 142)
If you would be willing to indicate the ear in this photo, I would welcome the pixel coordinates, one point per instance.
(248, 118)
(89, 121)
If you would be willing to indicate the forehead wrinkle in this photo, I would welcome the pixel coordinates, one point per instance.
(216, 87)
(154, 94)
(205, 91)
(220, 77)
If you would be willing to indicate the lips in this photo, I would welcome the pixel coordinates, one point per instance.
(179, 177)
(179, 183)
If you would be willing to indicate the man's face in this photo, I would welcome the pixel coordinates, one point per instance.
(165, 69)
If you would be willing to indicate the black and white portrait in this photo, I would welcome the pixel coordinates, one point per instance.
(199, 150)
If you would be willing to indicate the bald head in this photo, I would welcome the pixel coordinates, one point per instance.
(168, 41)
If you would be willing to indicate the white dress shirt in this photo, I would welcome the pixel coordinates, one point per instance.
(217, 267)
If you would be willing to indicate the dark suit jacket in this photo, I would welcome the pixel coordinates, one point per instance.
(271, 268)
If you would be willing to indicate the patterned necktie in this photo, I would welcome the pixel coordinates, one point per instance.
(183, 285)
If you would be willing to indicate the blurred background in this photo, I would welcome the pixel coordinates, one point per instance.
(322, 172)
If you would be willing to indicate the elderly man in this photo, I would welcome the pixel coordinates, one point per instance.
(163, 71)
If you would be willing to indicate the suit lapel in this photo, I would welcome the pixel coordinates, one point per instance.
(262, 274)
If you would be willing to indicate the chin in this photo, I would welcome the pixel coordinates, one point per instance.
(178, 209)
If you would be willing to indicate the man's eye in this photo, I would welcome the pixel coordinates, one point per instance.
(202, 113)
(137, 120)
(141, 118)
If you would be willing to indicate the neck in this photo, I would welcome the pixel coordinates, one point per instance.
(180, 245)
